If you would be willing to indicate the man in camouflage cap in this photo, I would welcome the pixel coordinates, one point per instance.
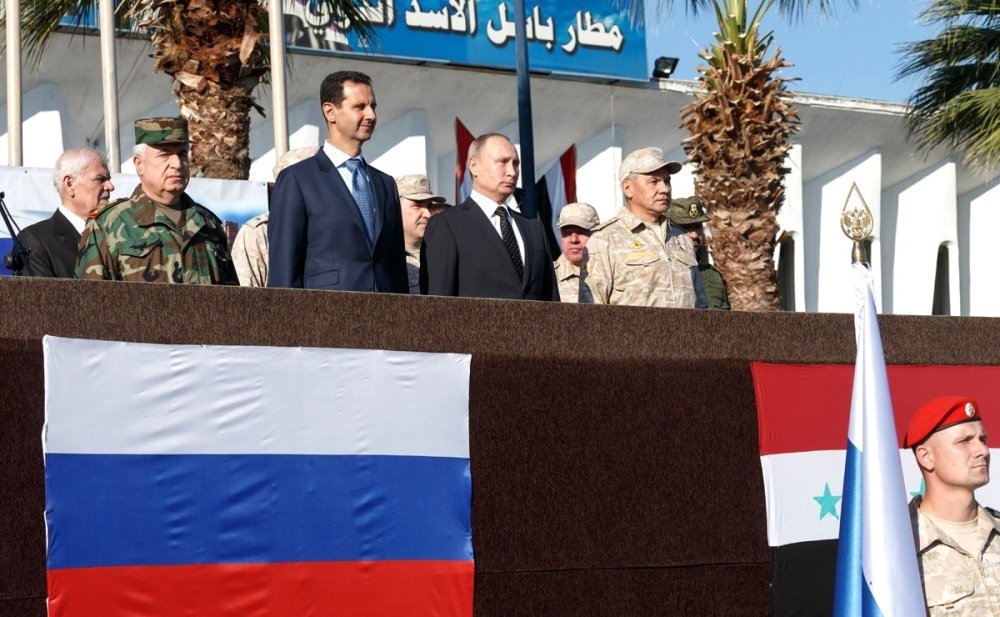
(418, 205)
(958, 540)
(159, 234)
(688, 218)
(631, 261)
(576, 221)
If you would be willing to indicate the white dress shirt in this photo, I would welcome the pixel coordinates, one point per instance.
(77, 222)
(338, 157)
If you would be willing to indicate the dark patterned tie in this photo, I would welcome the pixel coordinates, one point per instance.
(510, 241)
(362, 190)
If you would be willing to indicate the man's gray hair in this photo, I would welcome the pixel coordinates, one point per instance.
(140, 150)
(74, 163)
(478, 143)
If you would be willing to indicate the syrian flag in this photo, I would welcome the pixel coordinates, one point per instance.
(555, 189)
(803, 416)
(463, 181)
(217, 480)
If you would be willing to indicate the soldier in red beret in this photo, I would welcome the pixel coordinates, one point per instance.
(958, 541)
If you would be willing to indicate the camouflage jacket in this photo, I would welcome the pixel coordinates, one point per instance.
(250, 252)
(413, 270)
(130, 240)
(631, 262)
(569, 278)
(955, 583)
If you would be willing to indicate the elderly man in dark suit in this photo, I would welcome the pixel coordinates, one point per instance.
(335, 220)
(482, 248)
(84, 184)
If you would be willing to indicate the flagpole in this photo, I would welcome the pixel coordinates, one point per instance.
(528, 207)
(877, 573)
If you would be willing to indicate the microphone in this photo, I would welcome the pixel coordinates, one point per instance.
(17, 260)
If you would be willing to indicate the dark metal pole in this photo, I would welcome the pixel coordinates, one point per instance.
(528, 207)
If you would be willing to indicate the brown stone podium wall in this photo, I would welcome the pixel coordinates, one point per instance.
(614, 450)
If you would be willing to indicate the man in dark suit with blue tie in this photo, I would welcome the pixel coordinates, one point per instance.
(335, 221)
(483, 248)
(84, 184)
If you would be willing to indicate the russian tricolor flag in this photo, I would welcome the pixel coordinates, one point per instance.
(877, 574)
(214, 480)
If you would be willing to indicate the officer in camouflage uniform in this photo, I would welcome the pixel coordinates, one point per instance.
(631, 261)
(575, 223)
(688, 217)
(958, 540)
(158, 235)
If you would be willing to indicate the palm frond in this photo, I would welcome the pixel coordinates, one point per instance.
(946, 10)
(958, 103)
(41, 18)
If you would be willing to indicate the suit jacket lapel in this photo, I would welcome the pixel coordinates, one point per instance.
(342, 192)
(529, 246)
(65, 231)
(381, 202)
(485, 228)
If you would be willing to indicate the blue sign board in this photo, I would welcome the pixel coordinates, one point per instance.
(597, 39)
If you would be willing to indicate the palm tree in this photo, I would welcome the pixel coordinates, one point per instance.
(212, 49)
(740, 127)
(957, 104)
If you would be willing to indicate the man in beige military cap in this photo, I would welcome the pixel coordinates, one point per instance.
(418, 204)
(630, 260)
(958, 540)
(687, 217)
(576, 221)
(159, 234)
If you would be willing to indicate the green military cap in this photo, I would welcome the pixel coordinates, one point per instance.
(161, 131)
(686, 211)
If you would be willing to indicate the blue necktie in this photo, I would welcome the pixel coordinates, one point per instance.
(362, 190)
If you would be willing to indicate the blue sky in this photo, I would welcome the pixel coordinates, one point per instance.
(851, 53)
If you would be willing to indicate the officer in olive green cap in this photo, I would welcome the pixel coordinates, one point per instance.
(688, 217)
(159, 234)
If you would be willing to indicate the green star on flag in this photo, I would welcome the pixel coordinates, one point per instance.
(827, 503)
(920, 491)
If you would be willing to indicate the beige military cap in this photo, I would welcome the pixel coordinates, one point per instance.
(579, 215)
(645, 160)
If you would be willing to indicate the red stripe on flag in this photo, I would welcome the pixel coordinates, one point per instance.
(360, 589)
(463, 139)
(568, 163)
(802, 408)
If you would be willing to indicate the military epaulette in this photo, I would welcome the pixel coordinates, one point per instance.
(604, 224)
(114, 202)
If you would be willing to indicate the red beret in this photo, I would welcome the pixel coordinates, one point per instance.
(938, 414)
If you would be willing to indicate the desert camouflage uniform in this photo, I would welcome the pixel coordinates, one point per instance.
(956, 583)
(413, 270)
(632, 263)
(570, 277)
(130, 241)
(250, 252)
